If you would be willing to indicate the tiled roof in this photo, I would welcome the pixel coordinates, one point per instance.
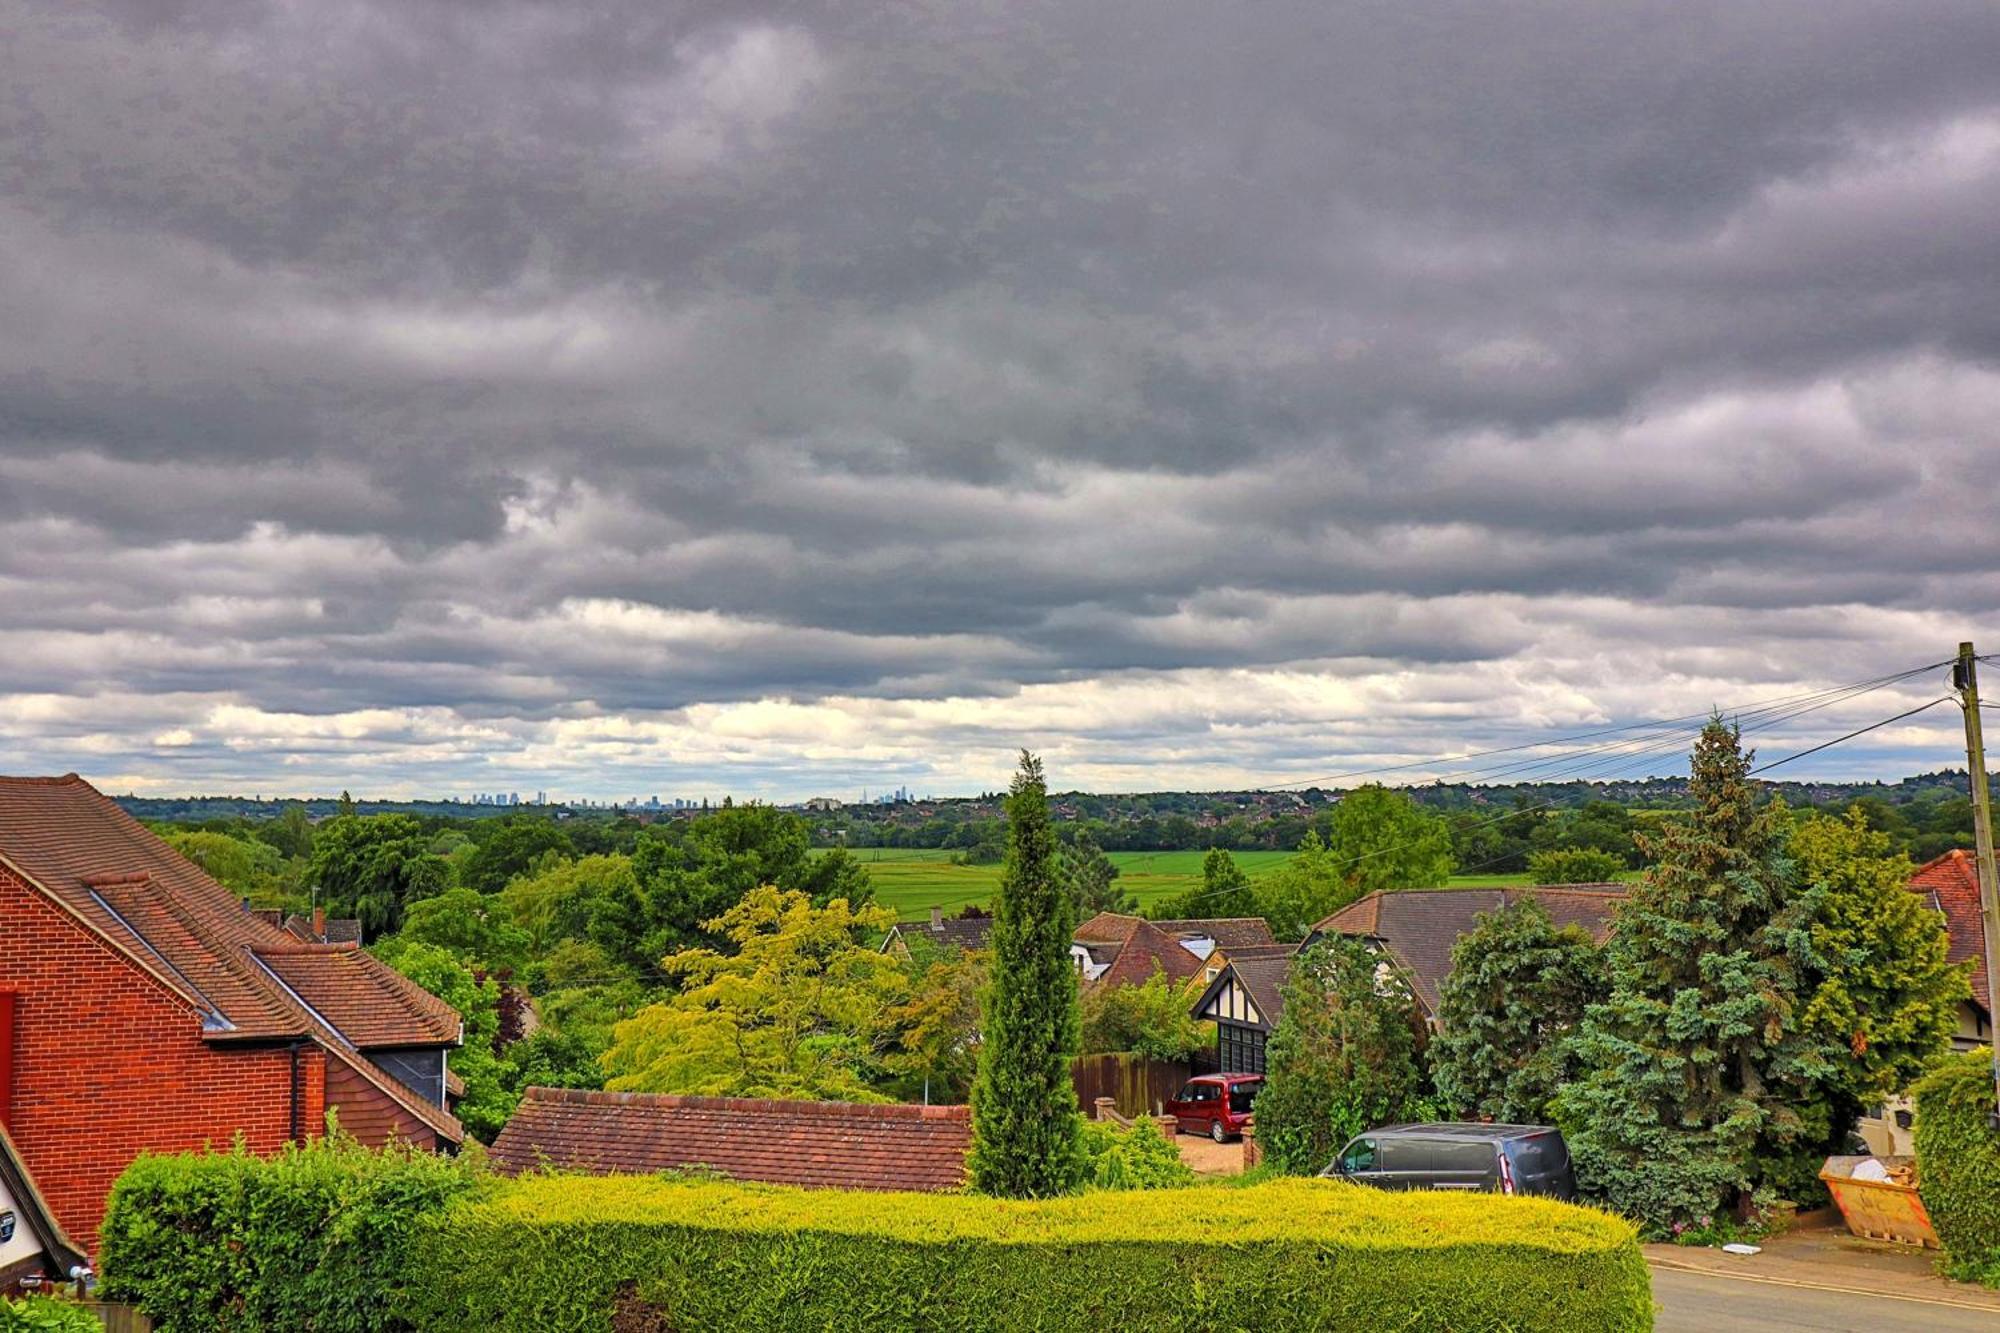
(1143, 947)
(1231, 932)
(1263, 977)
(339, 930)
(160, 909)
(848, 1145)
(1419, 926)
(963, 932)
(1952, 881)
(1107, 928)
(373, 1006)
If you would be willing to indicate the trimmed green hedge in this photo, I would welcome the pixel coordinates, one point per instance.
(1958, 1165)
(559, 1254)
(310, 1238)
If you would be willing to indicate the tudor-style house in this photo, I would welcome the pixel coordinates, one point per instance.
(143, 1008)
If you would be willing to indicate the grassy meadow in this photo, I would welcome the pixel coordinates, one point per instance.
(912, 880)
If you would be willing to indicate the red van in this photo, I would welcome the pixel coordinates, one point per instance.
(1221, 1102)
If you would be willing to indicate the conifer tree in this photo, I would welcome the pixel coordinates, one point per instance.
(1092, 879)
(1697, 1065)
(1024, 1115)
(1508, 1013)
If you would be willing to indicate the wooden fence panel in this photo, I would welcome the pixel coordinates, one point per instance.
(119, 1318)
(1137, 1085)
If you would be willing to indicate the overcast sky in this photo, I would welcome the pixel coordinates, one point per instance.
(781, 399)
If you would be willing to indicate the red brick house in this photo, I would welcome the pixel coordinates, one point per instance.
(845, 1145)
(143, 1008)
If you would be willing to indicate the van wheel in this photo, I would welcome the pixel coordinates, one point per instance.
(1217, 1132)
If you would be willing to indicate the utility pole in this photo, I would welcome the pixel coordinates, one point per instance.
(1965, 677)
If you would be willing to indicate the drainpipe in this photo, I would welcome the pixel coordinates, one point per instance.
(297, 1090)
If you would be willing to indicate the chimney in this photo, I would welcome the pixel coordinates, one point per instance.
(319, 924)
(937, 918)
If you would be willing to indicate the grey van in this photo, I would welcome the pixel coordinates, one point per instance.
(1502, 1159)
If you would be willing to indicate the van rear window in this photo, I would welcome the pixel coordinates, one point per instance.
(1540, 1154)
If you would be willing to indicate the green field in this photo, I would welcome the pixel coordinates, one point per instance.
(913, 880)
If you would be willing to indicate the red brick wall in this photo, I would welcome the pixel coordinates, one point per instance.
(109, 1062)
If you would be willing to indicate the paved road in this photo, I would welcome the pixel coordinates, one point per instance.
(1699, 1303)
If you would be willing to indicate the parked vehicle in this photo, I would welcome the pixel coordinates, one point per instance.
(1221, 1102)
(1503, 1159)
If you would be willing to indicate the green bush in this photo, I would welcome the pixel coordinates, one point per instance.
(311, 1238)
(1958, 1165)
(1139, 1158)
(42, 1314)
(561, 1254)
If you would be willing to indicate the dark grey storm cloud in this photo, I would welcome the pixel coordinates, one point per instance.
(601, 396)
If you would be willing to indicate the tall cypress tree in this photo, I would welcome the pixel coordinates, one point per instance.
(1698, 1064)
(1024, 1117)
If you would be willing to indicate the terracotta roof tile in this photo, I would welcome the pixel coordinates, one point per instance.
(372, 1006)
(830, 1144)
(1952, 881)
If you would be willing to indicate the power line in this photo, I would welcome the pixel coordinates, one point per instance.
(1743, 711)
(1774, 717)
(1944, 698)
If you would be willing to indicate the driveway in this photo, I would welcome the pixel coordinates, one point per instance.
(1208, 1158)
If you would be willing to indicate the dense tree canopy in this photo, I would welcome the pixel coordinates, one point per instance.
(792, 1007)
(1508, 1011)
(370, 866)
(1883, 989)
(1344, 1056)
(1303, 892)
(1150, 1019)
(1381, 840)
(509, 847)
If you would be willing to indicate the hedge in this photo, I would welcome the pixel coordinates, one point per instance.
(45, 1314)
(561, 1254)
(310, 1238)
(1958, 1165)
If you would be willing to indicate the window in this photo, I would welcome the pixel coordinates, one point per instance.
(1360, 1156)
(1473, 1156)
(1241, 1049)
(1241, 1095)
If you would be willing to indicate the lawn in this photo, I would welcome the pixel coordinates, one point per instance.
(913, 879)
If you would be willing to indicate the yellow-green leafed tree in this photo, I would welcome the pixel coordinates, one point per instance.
(793, 1011)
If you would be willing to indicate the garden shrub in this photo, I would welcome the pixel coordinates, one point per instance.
(1139, 1158)
(312, 1237)
(1958, 1165)
(44, 1314)
(562, 1253)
